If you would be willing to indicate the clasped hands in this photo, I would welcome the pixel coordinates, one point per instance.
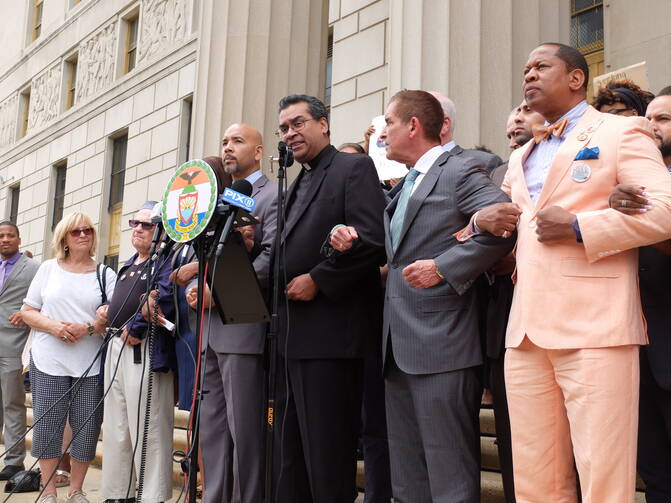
(553, 223)
(70, 332)
(420, 274)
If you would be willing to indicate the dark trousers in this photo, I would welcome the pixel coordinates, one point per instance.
(654, 436)
(374, 432)
(434, 437)
(502, 419)
(318, 411)
(232, 428)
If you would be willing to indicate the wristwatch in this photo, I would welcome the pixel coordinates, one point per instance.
(90, 329)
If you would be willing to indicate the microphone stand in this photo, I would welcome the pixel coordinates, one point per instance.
(285, 159)
(192, 460)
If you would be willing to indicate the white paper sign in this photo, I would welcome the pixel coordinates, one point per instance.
(386, 169)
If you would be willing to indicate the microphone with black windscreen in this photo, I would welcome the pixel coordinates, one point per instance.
(238, 196)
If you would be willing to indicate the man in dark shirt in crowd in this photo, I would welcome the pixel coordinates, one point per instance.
(127, 376)
(654, 431)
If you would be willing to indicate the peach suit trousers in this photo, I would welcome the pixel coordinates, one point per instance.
(568, 404)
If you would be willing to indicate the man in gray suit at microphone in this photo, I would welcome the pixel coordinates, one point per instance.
(430, 339)
(231, 418)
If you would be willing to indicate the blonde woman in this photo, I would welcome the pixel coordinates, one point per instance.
(60, 307)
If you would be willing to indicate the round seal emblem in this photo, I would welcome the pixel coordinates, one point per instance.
(189, 201)
(580, 172)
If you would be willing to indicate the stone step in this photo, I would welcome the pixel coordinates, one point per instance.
(492, 487)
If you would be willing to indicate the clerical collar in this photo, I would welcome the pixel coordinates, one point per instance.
(317, 160)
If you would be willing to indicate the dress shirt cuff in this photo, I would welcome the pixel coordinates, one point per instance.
(469, 231)
(576, 229)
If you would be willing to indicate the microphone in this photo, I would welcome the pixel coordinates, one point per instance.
(286, 157)
(158, 229)
(237, 196)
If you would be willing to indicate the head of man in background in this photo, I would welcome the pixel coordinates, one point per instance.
(449, 117)
(241, 150)
(520, 125)
(304, 126)
(659, 115)
(10, 240)
(352, 148)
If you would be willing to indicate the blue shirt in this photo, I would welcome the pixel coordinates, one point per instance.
(254, 176)
(9, 265)
(539, 161)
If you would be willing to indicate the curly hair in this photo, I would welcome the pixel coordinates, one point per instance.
(609, 94)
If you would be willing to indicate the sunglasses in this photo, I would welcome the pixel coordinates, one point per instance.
(75, 233)
(147, 226)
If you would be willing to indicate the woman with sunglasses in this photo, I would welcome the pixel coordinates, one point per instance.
(60, 307)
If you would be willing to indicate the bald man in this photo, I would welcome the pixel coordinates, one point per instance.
(488, 161)
(231, 417)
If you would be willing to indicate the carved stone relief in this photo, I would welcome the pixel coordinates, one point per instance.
(164, 22)
(8, 116)
(95, 68)
(44, 98)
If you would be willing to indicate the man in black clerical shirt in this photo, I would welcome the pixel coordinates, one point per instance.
(325, 317)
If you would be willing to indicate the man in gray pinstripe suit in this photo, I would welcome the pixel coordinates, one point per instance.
(430, 336)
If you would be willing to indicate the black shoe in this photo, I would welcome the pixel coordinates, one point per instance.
(123, 500)
(10, 470)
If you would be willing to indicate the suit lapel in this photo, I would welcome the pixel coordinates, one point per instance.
(421, 192)
(258, 185)
(18, 267)
(316, 182)
(576, 139)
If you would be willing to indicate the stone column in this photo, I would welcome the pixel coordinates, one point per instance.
(252, 53)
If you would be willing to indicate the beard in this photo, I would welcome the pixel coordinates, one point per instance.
(665, 147)
(522, 138)
(231, 169)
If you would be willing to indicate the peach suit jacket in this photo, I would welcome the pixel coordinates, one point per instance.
(570, 295)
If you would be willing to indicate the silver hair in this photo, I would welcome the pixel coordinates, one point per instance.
(449, 109)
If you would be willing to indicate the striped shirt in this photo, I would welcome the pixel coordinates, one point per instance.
(539, 161)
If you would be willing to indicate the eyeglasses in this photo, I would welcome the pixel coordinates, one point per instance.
(75, 233)
(147, 226)
(297, 125)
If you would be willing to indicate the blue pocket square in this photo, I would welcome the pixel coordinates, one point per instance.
(587, 153)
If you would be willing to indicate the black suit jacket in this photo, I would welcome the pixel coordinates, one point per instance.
(654, 274)
(344, 189)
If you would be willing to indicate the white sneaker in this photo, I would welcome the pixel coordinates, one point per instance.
(76, 497)
(49, 498)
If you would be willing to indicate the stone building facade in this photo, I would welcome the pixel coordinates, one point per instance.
(100, 100)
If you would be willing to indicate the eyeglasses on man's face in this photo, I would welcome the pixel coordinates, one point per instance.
(87, 231)
(296, 125)
(147, 226)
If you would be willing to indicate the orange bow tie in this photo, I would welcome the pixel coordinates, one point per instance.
(542, 133)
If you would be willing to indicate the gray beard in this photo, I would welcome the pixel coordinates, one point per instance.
(232, 170)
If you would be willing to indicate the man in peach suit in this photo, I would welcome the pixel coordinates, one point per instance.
(576, 324)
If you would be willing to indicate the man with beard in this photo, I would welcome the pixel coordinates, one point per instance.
(654, 432)
(231, 417)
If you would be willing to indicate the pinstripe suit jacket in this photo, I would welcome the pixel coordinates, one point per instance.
(435, 329)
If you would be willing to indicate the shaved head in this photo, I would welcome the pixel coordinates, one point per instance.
(241, 150)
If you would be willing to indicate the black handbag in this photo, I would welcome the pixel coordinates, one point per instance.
(25, 481)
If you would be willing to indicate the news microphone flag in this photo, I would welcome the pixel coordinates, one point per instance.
(235, 198)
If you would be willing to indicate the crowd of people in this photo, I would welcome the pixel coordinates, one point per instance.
(403, 306)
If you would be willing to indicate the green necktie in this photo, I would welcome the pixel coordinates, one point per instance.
(399, 214)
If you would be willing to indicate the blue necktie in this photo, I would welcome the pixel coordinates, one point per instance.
(399, 213)
(3, 264)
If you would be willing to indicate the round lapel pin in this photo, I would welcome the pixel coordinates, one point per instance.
(580, 172)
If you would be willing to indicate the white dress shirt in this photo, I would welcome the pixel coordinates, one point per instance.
(424, 163)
